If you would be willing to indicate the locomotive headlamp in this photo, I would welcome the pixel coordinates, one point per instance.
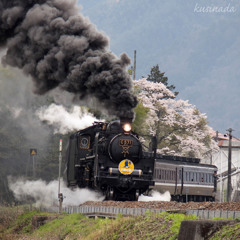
(127, 127)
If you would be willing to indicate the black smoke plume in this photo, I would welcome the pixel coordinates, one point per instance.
(50, 41)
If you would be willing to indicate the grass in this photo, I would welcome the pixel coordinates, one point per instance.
(18, 224)
(228, 232)
(8, 215)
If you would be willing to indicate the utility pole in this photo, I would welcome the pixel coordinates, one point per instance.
(229, 186)
(60, 195)
(134, 66)
(33, 152)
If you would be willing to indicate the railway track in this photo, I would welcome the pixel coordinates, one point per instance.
(169, 205)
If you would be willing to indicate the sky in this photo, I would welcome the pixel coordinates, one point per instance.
(196, 43)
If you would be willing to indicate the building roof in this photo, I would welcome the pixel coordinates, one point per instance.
(223, 139)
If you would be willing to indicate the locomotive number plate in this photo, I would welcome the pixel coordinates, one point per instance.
(125, 142)
(126, 167)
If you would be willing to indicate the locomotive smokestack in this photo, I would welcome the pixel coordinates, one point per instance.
(57, 47)
(125, 120)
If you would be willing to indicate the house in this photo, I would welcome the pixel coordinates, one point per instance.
(220, 159)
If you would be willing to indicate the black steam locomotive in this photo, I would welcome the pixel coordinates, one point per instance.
(109, 157)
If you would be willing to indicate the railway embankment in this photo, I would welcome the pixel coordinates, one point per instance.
(169, 224)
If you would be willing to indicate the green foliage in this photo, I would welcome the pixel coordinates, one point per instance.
(76, 226)
(141, 114)
(228, 232)
(8, 215)
(23, 223)
(176, 220)
(157, 76)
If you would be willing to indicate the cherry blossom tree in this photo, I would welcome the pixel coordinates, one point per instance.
(179, 126)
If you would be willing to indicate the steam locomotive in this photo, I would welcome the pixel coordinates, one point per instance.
(109, 157)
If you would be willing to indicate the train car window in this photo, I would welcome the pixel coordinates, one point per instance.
(202, 177)
(157, 173)
(191, 176)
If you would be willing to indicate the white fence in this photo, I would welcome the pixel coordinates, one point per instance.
(115, 211)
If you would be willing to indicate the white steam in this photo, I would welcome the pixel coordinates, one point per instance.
(65, 121)
(15, 111)
(156, 196)
(46, 194)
